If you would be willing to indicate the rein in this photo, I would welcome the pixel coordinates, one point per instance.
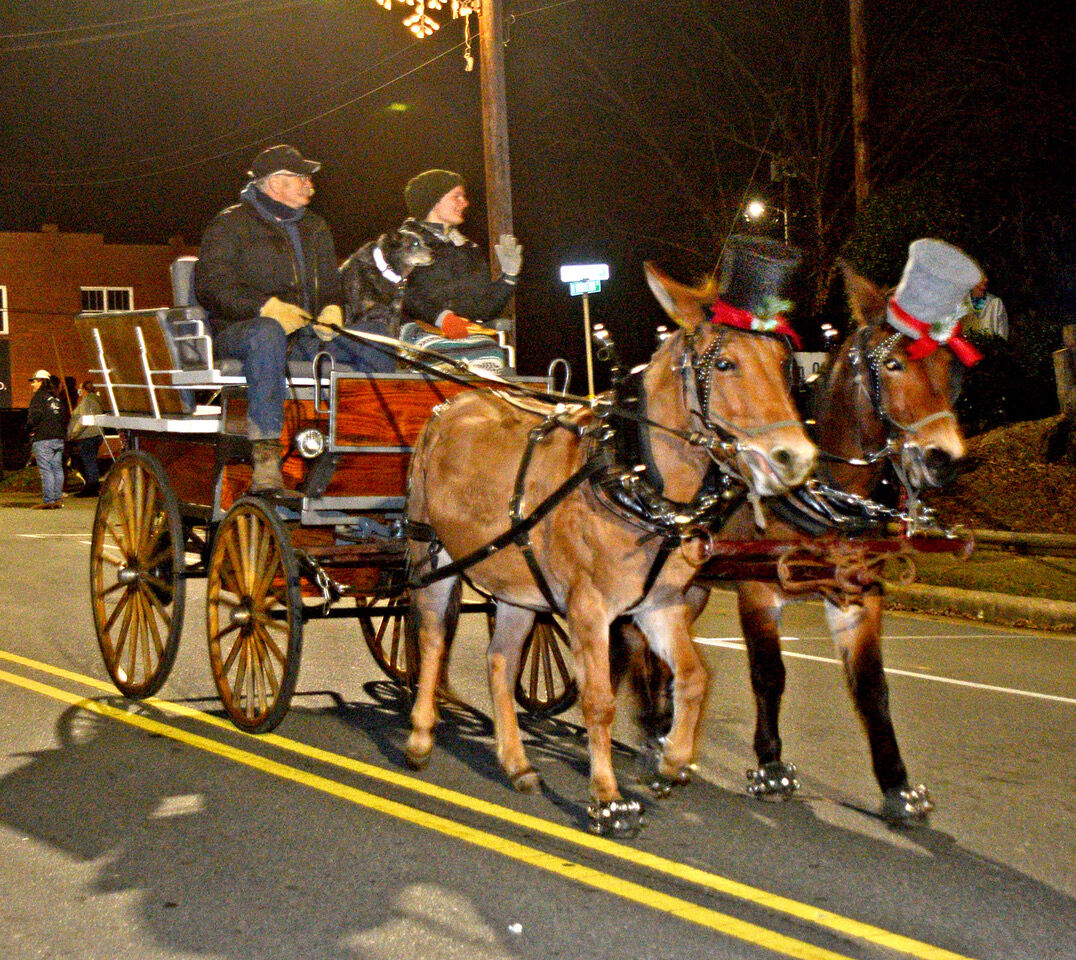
(621, 488)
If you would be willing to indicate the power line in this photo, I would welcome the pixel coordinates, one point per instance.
(248, 9)
(198, 161)
(242, 146)
(119, 23)
(235, 131)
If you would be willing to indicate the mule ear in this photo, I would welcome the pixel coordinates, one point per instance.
(683, 304)
(866, 301)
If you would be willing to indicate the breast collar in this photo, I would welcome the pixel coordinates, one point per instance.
(633, 487)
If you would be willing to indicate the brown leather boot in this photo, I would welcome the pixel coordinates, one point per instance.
(265, 454)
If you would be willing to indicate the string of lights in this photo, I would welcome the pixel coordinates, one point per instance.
(420, 23)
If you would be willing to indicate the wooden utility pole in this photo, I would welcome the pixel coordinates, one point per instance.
(495, 131)
(857, 24)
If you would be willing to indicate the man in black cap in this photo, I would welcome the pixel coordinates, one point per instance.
(46, 422)
(267, 266)
(457, 287)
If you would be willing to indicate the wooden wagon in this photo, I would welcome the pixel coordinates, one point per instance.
(173, 508)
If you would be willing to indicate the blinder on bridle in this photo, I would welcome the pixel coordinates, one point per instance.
(874, 358)
(702, 368)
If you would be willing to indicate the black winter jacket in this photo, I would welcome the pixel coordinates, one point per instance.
(459, 279)
(46, 417)
(245, 259)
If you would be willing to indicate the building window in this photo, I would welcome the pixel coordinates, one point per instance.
(100, 299)
(3, 309)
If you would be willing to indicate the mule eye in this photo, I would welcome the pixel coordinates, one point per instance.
(893, 364)
(724, 364)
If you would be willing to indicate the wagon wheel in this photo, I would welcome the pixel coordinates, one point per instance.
(546, 682)
(254, 615)
(383, 621)
(137, 584)
(391, 633)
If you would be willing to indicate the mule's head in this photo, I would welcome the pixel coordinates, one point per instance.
(730, 384)
(902, 400)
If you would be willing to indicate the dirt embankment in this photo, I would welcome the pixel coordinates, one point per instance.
(1012, 483)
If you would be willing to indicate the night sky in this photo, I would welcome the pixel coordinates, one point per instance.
(138, 119)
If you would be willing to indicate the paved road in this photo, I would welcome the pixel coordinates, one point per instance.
(160, 832)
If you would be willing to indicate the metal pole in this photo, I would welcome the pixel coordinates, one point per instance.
(786, 207)
(590, 353)
(857, 24)
(495, 133)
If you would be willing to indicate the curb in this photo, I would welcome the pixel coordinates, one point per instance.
(1002, 608)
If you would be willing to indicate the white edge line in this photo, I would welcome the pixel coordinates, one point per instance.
(730, 643)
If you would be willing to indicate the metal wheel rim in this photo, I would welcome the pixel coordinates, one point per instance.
(137, 585)
(546, 682)
(253, 616)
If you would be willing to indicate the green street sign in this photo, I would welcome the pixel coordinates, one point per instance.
(584, 286)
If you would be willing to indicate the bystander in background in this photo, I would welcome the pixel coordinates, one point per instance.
(46, 422)
(86, 438)
(987, 314)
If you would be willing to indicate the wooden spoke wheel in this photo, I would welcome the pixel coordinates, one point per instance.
(254, 615)
(137, 584)
(383, 621)
(546, 683)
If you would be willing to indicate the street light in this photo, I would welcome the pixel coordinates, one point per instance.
(755, 210)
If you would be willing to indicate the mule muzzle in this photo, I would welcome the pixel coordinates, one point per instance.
(929, 467)
(780, 468)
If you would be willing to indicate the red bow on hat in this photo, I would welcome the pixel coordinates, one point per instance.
(731, 316)
(924, 344)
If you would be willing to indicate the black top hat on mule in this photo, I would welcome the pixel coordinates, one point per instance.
(756, 274)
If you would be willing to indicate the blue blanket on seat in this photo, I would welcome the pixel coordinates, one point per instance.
(479, 351)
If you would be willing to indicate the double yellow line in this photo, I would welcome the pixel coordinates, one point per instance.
(637, 893)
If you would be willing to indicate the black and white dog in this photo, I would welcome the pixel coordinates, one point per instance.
(374, 277)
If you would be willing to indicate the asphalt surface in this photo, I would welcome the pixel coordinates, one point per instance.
(157, 831)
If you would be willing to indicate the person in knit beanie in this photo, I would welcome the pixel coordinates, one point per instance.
(456, 292)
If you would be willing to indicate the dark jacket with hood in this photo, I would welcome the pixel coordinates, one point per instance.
(459, 279)
(259, 249)
(46, 417)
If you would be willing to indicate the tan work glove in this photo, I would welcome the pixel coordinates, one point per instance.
(289, 316)
(334, 317)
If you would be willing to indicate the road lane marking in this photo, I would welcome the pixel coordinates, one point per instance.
(824, 918)
(728, 643)
(578, 872)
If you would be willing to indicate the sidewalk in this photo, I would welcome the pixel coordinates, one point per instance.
(1001, 608)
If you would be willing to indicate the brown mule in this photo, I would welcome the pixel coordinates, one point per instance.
(877, 404)
(710, 393)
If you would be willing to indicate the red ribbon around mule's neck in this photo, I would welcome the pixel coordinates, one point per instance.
(925, 345)
(731, 316)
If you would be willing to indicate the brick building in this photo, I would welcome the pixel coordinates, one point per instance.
(46, 278)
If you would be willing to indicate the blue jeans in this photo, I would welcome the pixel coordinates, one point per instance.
(347, 354)
(87, 453)
(262, 348)
(49, 455)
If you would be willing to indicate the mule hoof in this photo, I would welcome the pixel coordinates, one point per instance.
(526, 781)
(417, 759)
(616, 818)
(773, 779)
(655, 776)
(906, 806)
